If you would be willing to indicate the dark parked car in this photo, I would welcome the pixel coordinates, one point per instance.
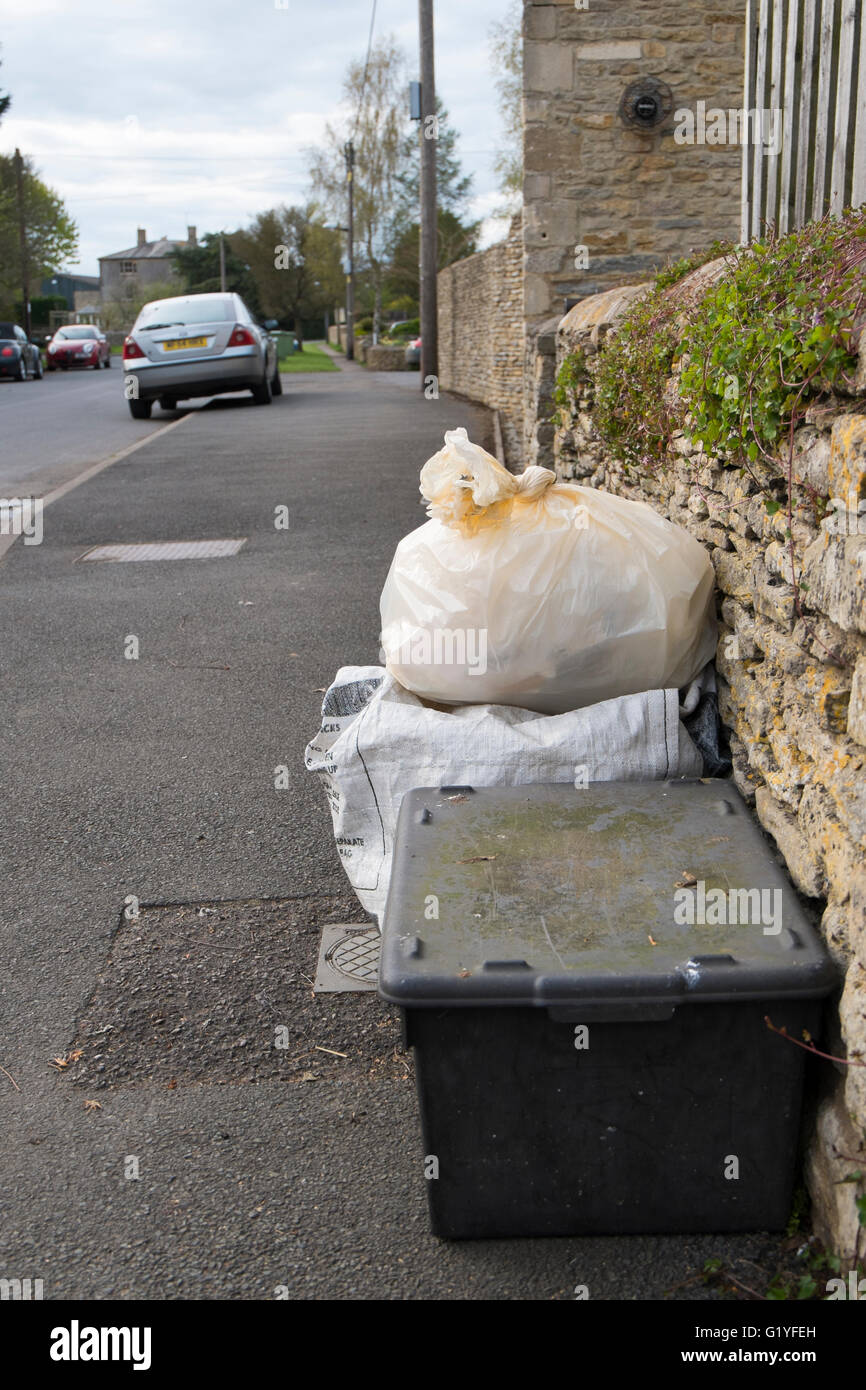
(19, 358)
(78, 345)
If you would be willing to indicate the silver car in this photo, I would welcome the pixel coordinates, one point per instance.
(198, 345)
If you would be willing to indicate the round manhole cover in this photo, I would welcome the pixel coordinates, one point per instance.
(356, 955)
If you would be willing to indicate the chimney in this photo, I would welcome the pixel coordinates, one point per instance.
(142, 237)
(191, 236)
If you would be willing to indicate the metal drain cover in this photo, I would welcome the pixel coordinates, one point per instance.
(166, 550)
(348, 959)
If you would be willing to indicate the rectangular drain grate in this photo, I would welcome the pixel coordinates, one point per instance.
(166, 550)
(348, 959)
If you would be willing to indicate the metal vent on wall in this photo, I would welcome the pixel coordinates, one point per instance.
(646, 103)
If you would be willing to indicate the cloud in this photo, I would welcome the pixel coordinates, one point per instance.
(170, 114)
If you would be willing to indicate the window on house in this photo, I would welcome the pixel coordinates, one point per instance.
(128, 268)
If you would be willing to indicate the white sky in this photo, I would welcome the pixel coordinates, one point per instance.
(178, 112)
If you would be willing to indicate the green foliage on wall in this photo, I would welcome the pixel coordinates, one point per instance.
(772, 335)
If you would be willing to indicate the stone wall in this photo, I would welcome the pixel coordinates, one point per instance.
(792, 693)
(539, 382)
(633, 198)
(481, 333)
(382, 357)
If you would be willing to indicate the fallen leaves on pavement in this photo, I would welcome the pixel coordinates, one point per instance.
(62, 1062)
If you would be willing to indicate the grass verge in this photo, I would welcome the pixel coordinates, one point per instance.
(312, 359)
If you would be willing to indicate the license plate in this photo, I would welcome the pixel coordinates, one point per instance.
(184, 343)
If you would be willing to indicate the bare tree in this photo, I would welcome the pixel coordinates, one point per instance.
(121, 312)
(374, 95)
(506, 57)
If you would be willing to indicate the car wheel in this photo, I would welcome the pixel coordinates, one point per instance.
(96, 365)
(276, 383)
(22, 370)
(107, 363)
(167, 403)
(262, 394)
(140, 410)
(37, 371)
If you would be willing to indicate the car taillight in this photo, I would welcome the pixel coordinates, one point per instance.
(241, 337)
(6, 352)
(131, 349)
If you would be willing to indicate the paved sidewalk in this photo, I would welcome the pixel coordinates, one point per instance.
(154, 778)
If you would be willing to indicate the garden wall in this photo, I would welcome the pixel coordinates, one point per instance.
(792, 686)
(481, 333)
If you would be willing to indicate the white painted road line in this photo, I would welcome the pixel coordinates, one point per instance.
(6, 542)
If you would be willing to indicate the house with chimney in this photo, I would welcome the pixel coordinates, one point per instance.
(125, 275)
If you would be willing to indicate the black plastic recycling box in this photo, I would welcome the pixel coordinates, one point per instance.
(586, 976)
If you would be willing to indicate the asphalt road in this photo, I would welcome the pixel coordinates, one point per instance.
(154, 777)
(53, 428)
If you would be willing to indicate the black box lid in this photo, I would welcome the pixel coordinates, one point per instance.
(619, 894)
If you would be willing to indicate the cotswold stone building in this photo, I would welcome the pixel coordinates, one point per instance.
(610, 193)
(123, 274)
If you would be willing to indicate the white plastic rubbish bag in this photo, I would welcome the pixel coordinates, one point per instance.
(378, 740)
(521, 590)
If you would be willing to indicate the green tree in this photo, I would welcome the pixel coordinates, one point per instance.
(295, 262)
(52, 236)
(375, 96)
(506, 56)
(453, 187)
(5, 100)
(454, 240)
(200, 268)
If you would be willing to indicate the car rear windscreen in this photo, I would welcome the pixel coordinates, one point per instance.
(7, 330)
(172, 313)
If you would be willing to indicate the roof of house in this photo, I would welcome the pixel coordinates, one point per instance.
(83, 282)
(148, 250)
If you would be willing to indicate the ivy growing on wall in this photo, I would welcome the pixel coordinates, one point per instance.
(772, 335)
(633, 413)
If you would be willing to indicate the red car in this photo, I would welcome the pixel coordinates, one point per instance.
(78, 345)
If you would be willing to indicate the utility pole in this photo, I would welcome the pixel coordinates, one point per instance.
(349, 153)
(429, 138)
(222, 263)
(22, 240)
